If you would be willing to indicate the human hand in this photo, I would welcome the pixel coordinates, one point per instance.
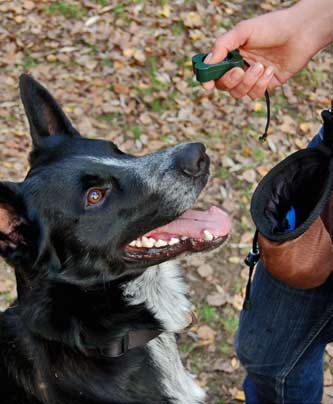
(276, 45)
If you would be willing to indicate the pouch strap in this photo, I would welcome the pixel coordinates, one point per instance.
(251, 261)
(327, 116)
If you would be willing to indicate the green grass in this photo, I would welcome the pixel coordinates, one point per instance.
(156, 105)
(278, 102)
(136, 132)
(166, 138)
(310, 78)
(237, 286)
(207, 313)
(224, 348)
(177, 28)
(7, 296)
(259, 154)
(107, 62)
(102, 3)
(66, 9)
(108, 117)
(29, 62)
(186, 348)
(230, 324)
(223, 172)
(119, 8)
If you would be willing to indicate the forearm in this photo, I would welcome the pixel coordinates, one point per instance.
(315, 19)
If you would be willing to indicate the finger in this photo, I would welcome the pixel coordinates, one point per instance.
(258, 90)
(230, 41)
(224, 44)
(251, 76)
(230, 79)
(208, 85)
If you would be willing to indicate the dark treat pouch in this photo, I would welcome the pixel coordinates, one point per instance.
(292, 209)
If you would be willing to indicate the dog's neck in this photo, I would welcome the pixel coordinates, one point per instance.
(155, 299)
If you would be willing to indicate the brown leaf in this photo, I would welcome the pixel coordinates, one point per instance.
(192, 19)
(262, 170)
(140, 56)
(6, 285)
(234, 259)
(249, 175)
(237, 394)
(205, 270)
(328, 378)
(329, 349)
(120, 88)
(222, 366)
(206, 333)
(217, 299)
(288, 125)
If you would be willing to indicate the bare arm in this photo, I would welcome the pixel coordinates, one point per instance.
(277, 45)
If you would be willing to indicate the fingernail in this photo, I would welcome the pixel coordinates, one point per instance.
(269, 71)
(235, 76)
(209, 85)
(208, 57)
(257, 68)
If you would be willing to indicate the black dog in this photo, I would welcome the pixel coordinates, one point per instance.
(91, 323)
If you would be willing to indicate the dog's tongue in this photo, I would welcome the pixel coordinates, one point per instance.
(193, 223)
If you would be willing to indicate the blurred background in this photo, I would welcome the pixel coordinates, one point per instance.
(122, 71)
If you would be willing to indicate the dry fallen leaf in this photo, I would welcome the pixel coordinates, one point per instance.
(328, 378)
(6, 285)
(258, 107)
(140, 56)
(249, 175)
(237, 394)
(223, 366)
(193, 19)
(217, 299)
(305, 127)
(234, 260)
(165, 11)
(205, 270)
(262, 170)
(206, 333)
(329, 349)
(299, 143)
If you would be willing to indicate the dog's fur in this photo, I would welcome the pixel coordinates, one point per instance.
(75, 289)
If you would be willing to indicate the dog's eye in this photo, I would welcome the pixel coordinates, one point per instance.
(95, 195)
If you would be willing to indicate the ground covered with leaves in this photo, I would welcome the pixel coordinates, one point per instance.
(122, 70)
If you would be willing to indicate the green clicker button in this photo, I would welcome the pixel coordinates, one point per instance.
(205, 72)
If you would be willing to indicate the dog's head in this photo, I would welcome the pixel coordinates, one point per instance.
(88, 210)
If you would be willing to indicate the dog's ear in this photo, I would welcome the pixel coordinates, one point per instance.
(14, 226)
(46, 118)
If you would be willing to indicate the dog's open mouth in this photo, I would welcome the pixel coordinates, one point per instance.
(193, 231)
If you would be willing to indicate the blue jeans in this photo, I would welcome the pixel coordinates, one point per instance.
(281, 340)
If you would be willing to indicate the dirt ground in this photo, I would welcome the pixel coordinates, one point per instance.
(122, 71)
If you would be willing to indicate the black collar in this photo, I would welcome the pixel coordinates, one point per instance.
(120, 346)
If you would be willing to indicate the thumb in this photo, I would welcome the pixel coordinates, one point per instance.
(228, 42)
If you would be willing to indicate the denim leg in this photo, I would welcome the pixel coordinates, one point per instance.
(278, 341)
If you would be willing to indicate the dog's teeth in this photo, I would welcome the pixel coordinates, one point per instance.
(151, 242)
(208, 236)
(147, 242)
(132, 243)
(138, 243)
(184, 238)
(160, 243)
(174, 241)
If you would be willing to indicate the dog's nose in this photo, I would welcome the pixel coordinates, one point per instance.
(193, 160)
